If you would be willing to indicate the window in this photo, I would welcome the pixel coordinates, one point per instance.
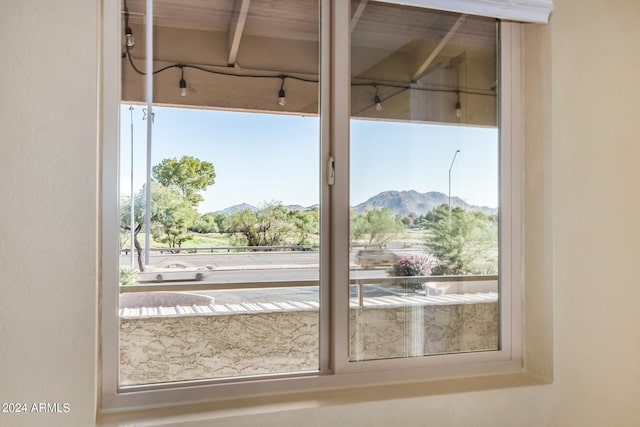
(319, 194)
(424, 170)
(233, 245)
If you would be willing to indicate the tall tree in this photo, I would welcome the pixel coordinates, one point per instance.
(267, 227)
(171, 217)
(206, 224)
(172, 214)
(305, 224)
(375, 226)
(273, 225)
(464, 242)
(189, 175)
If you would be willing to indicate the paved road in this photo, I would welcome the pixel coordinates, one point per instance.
(224, 260)
(240, 267)
(253, 267)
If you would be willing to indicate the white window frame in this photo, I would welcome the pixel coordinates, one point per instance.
(335, 368)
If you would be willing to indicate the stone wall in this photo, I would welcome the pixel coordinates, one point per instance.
(417, 330)
(159, 349)
(215, 341)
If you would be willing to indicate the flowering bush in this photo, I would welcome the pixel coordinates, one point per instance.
(412, 266)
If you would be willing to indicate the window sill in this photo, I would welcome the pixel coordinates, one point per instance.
(221, 409)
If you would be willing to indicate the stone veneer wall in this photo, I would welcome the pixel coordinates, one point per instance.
(173, 348)
(160, 349)
(417, 330)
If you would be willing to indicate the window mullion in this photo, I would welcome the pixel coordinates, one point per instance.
(325, 189)
(340, 115)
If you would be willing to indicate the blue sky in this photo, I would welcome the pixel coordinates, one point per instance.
(260, 158)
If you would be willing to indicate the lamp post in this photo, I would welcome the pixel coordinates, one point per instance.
(132, 203)
(451, 167)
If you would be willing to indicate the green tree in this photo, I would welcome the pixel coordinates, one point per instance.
(206, 224)
(266, 227)
(273, 225)
(171, 217)
(125, 223)
(375, 226)
(222, 221)
(188, 175)
(305, 224)
(464, 243)
(172, 214)
(174, 198)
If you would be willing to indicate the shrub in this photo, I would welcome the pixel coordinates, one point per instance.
(128, 276)
(412, 266)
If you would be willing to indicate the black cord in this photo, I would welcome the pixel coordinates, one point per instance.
(373, 84)
(126, 15)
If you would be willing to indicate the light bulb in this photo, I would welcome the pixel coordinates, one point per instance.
(458, 110)
(129, 36)
(281, 99)
(183, 88)
(378, 103)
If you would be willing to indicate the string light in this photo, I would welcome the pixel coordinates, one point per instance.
(183, 83)
(128, 32)
(281, 93)
(376, 100)
(129, 36)
(130, 42)
(281, 97)
(458, 105)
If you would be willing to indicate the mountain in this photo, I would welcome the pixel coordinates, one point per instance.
(235, 208)
(241, 206)
(399, 202)
(405, 202)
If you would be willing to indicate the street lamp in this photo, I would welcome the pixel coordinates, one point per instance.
(451, 167)
(132, 203)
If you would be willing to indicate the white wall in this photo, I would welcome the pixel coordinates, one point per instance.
(48, 221)
(582, 148)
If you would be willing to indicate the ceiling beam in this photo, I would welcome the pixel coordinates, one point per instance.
(236, 28)
(358, 13)
(427, 62)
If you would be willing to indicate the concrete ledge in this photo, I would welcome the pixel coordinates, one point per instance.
(130, 310)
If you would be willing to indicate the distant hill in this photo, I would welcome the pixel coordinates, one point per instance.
(405, 202)
(235, 208)
(242, 206)
(399, 202)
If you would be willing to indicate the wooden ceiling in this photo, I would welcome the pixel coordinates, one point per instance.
(375, 25)
(389, 44)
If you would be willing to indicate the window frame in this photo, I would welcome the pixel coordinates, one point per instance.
(335, 368)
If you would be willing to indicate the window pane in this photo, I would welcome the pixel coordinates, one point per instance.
(230, 285)
(424, 183)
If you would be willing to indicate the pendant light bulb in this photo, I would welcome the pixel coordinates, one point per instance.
(281, 98)
(183, 83)
(458, 107)
(128, 33)
(376, 99)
